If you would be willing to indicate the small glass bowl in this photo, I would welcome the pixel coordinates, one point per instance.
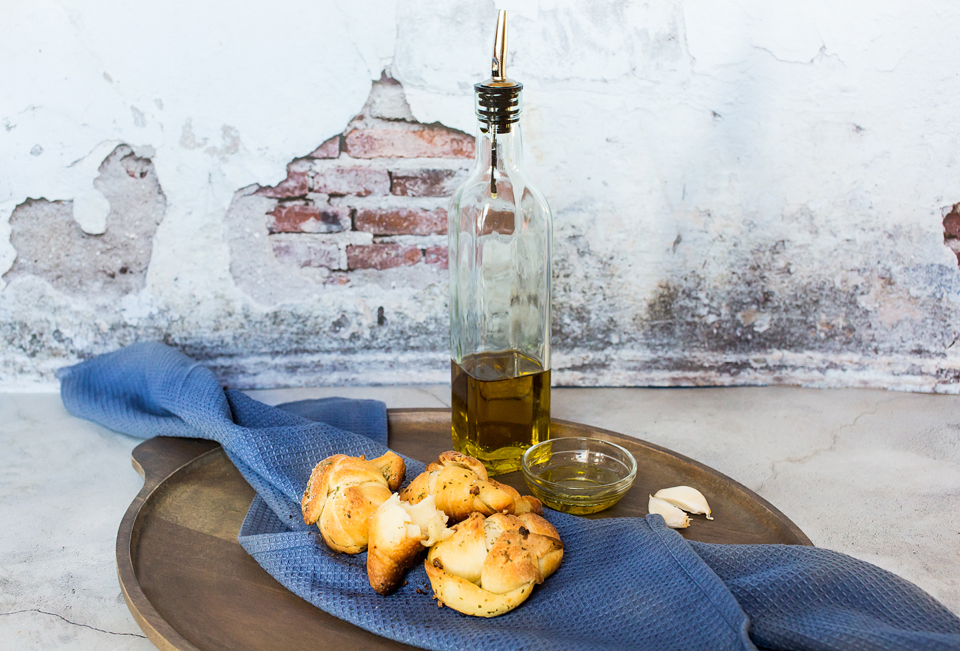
(579, 475)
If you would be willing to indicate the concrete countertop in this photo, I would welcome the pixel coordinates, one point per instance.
(869, 473)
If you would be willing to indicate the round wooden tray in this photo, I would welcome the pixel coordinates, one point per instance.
(190, 585)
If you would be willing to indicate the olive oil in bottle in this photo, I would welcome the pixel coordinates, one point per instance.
(500, 232)
(501, 406)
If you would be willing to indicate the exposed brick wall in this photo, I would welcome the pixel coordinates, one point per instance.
(308, 217)
(386, 175)
(401, 221)
(951, 230)
(382, 256)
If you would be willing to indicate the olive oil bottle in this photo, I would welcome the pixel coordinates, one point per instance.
(498, 415)
(500, 236)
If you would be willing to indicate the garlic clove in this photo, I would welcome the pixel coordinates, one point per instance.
(674, 517)
(689, 499)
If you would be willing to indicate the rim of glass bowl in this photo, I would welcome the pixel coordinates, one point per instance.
(587, 491)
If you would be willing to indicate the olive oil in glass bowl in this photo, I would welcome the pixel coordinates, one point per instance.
(579, 475)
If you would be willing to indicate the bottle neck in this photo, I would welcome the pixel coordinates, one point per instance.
(497, 149)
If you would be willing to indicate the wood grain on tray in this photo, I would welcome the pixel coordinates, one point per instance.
(190, 585)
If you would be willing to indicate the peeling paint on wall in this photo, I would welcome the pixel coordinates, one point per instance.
(51, 245)
(741, 194)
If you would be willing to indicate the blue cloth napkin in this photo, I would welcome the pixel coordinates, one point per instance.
(625, 583)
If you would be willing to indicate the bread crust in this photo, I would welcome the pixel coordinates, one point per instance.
(461, 486)
(388, 559)
(491, 564)
(470, 599)
(343, 492)
(398, 536)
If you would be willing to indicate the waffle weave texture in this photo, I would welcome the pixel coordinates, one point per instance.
(625, 583)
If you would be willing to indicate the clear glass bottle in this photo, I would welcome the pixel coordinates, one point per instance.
(500, 232)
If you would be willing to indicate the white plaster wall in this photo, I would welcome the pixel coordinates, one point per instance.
(744, 191)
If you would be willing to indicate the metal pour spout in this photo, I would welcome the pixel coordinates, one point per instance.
(499, 68)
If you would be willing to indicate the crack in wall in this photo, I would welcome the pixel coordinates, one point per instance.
(834, 440)
(444, 401)
(72, 623)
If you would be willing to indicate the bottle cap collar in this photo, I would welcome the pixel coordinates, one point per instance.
(498, 98)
